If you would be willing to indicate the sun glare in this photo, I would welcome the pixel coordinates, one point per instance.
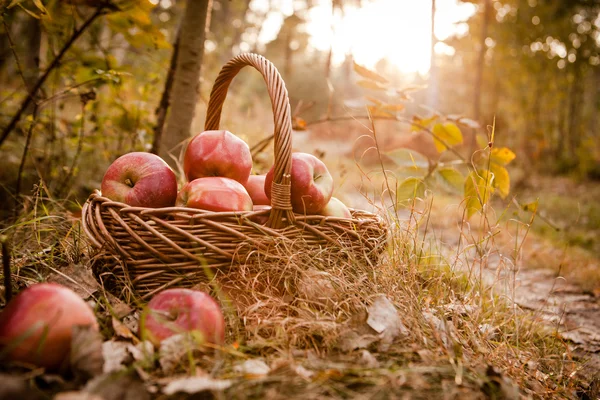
(398, 30)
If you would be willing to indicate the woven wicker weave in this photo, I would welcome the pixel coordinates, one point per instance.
(150, 249)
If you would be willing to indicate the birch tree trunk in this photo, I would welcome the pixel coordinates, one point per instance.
(186, 81)
(477, 87)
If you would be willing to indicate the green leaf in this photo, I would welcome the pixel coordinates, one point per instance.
(478, 189)
(405, 158)
(451, 177)
(501, 179)
(367, 73)
(502, 155)
(370, 85)
(409, 189)
(447, 134)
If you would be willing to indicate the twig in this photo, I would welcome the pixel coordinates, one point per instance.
(260, 146)
(165, 100)
(24, 157)
(84, 99)
(6, 267)
(14, 51)
(38, 84)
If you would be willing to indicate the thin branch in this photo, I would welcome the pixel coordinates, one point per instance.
(260, 146)
(165, 100)
(14, 51)
(30, 96)
(65, 182)
(24, 157)
(6, 267)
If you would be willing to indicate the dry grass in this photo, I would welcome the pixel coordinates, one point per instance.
(305, 316)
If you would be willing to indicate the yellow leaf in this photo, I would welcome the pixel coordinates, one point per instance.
(422, 123)
(447, 134)
(298, 124)
(478, 189)
(501, 179)
(502, 155)
(375, 111)
(367, 73)
(374, 100)
(370, 85)
(409, 189)
(452, 177)
(393, 107)
(531, 207)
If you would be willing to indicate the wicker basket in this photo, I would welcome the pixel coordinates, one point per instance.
(145, 250)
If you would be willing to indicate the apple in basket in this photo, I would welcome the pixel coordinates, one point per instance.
(176, 311)
(335, 208)
(256, 189)
(36, 326)
(217, 153)
(140, 180)
(214, 194)
(311, 184)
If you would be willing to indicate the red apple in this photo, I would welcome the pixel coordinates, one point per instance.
(215, 194)
(140, 180)
(335, 208)
(175, 311)
(217, 153)
(312, 184)
(256, 189)
(36, 326)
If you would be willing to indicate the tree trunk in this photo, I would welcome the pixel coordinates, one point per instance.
(480, 64)
(186, 82)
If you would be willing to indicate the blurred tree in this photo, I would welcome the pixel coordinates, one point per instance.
(186, 81)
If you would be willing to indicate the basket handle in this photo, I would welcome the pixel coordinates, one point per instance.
(281, 206)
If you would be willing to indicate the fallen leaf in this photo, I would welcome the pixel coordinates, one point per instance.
(368, 360)
(173, 349)
(117, 386)
(384, 319)
(196, 385)
(115, 356)
(122, 330)
(86, 357)
(253, 367)
(74, 395)
(15, 387)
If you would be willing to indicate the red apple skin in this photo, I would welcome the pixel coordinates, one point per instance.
(217, 153)
(311, 184)
(335, 208)
(140, 180)
(41, 318)
(256, 189)
(214, 194)
(175, 311)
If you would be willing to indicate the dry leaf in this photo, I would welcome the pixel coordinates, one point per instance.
(196, 385)
(115, 355)
(86, 357)
(73, 395)
(173, 349)
(15, 387)
(369, 74)
(122, 330)
(117, 386)
(254, 367)
(368, 360)
(384, 319)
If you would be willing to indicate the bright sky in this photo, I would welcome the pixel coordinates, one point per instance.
(399, 30)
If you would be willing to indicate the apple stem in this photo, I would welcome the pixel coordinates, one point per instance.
(128, 182)
(6, 268)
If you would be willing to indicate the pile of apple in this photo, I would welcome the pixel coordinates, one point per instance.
(218, 166)
(36, 326)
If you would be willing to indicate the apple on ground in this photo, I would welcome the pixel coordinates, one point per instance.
(140, 180)
(36, 326)
(176, 311)
(214, 194)
(335, 208)
(256, 189)
(311, 184)
(217, 153)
